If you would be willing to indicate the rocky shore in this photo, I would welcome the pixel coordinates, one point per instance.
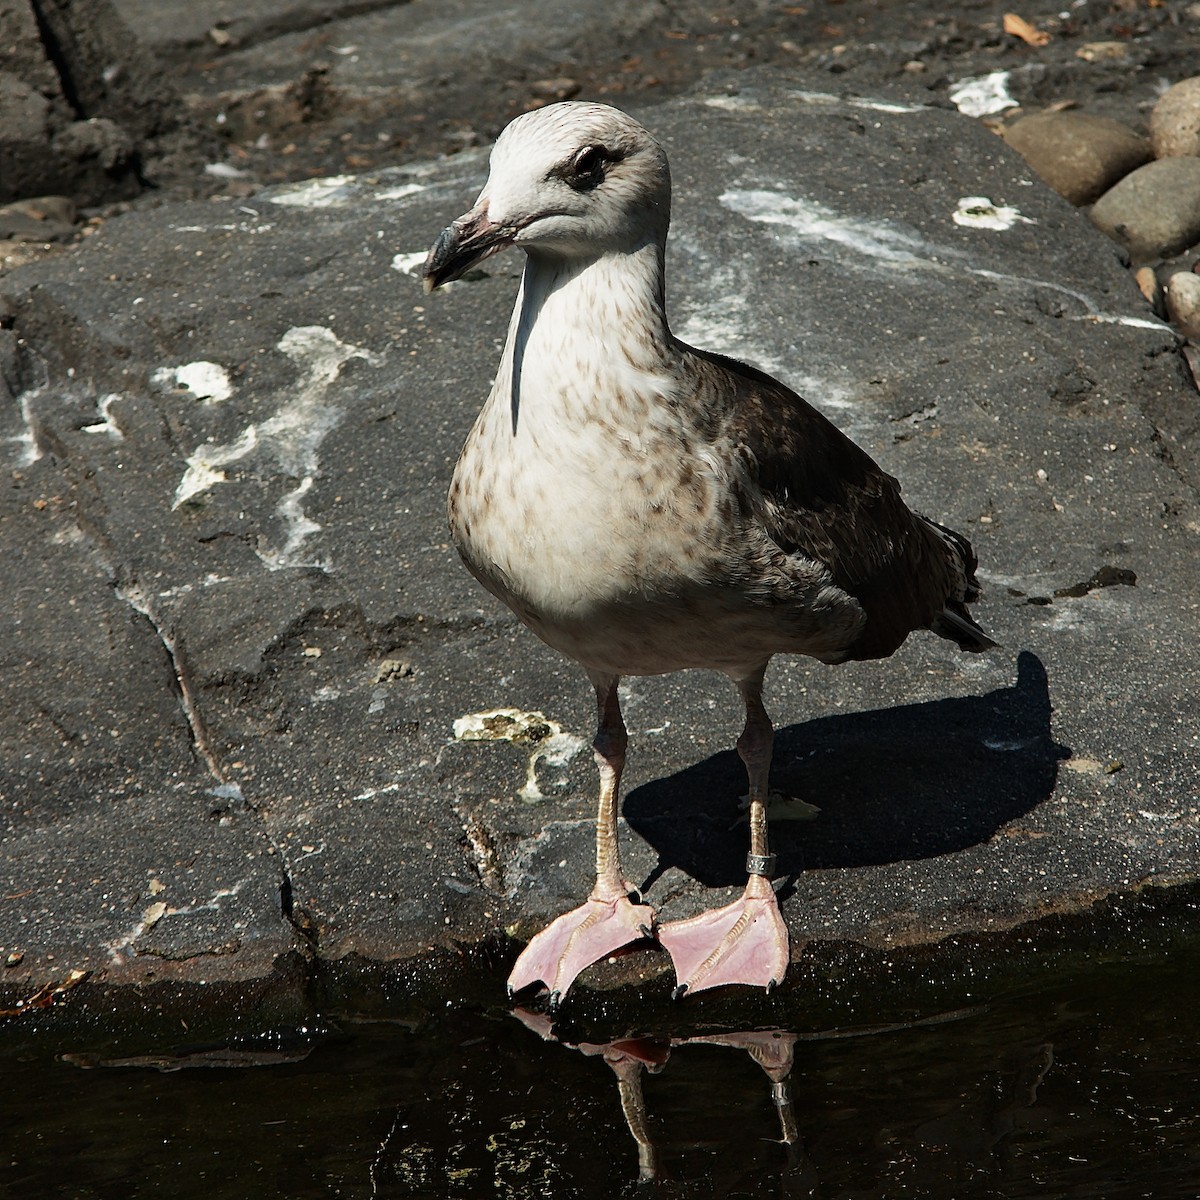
(258, 723)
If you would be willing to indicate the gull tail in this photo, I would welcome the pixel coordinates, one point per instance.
(954, 622)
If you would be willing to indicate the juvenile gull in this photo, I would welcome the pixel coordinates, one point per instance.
(646, 507)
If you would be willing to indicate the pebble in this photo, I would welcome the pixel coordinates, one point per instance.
(1151, 287)
(39, 219)
(1183, 303)
(1175, 120)
(1099, 52)
(1191, 355)
(1079, 155)
(1155, 211)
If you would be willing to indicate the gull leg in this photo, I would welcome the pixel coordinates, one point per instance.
(746, 941)
(633, 1106)
(608, 919)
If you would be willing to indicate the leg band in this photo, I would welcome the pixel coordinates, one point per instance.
(760, 864)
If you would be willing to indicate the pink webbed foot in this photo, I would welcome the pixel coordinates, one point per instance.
(744, 942)
(576, 940)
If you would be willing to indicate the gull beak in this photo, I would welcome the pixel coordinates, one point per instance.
(463, 244)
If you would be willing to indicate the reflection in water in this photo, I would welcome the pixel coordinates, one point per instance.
(629, 1057)
(1076, 1086)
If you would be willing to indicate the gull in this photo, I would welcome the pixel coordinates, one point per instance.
(646, 507)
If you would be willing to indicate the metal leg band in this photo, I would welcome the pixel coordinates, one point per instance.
(760, 864)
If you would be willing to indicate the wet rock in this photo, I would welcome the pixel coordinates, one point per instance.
(1079, 155)
(1183, 303)
(1175, 120)
(1155, 211)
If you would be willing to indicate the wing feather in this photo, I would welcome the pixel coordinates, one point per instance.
(822, 497)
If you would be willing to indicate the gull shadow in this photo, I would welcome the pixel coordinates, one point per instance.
(908, 782)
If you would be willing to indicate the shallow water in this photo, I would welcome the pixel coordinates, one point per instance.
(1083, 1086)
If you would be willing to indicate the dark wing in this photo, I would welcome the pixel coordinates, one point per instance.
(825, 498)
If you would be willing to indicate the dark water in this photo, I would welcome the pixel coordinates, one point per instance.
(1085, 1085)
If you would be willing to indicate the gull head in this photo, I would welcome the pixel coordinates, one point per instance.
(571, 180)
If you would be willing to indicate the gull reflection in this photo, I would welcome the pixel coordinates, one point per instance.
(629, 1058)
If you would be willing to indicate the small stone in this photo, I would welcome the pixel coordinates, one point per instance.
(1191, 355)
(1183, 303)
(1155, 211)
(14, 959)
(561, 88)
(1103, 52)
(1148, 284)
(1079, 155)
(392, 668)
(40, 219)
(1175, 120)
(98, 140)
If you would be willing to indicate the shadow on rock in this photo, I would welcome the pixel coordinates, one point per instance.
(899, 783)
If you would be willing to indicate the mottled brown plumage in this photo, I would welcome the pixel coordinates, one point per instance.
(647, 507)
(824, 498)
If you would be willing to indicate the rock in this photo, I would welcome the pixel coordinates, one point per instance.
(1191, 356)
(41, 219)
(102, 159)
(1148, 284)
(1079, 155)
(1102, 52)
(1183, 303)
(305, 602)
(24, 132)
(1155, 211)
(558, 88)
(82, 105)
(92, 161)
(1175, 120)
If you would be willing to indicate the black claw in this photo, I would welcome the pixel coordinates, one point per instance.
(646, 931)
(679, 992)
(554, 1003)
(772, 984)
(511, 991)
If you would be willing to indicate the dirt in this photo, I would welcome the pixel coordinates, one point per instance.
(310, 126)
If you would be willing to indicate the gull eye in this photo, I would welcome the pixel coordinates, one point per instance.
(587, 168)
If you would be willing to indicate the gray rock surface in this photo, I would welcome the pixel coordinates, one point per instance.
(1154, 212)
(84, 110)
(1175, 120)
(238, 642)
(1079, 155)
